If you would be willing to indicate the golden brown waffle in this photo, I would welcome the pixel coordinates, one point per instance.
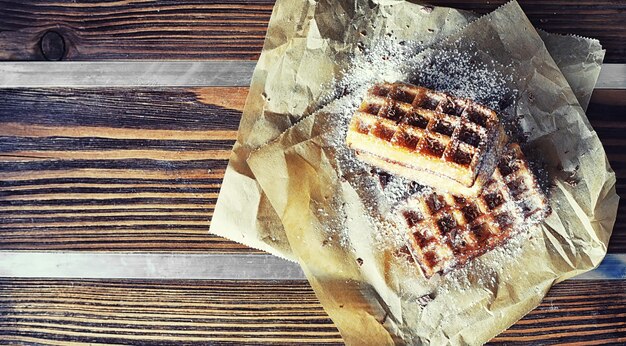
(446, 231)
(449, 143)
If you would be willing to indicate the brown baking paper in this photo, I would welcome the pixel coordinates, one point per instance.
(306, 45)
(375, 297)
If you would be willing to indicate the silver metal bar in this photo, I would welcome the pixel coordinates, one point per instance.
(33, 74)
(147, 266)
(612, 76)
(190, 266)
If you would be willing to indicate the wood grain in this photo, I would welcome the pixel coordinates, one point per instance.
(93, 30)
(259, 312)
(162, 312)
(221, 29)
(114, 169)
(574, 313)
(140, 169)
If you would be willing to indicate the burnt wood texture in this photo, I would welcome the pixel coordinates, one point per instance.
(164, 312)
(222, 29)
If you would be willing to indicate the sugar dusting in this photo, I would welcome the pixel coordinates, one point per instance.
(458, 72)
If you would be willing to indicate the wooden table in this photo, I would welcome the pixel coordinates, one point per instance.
(112, 175)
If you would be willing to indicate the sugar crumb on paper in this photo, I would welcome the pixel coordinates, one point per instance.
(459, 72)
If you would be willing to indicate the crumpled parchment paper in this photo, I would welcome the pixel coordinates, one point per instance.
(271, 195)
(307, 45)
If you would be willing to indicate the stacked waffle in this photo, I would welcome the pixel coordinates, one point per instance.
(482, 189)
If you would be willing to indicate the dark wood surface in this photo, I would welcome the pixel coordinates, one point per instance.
(162, 312)
(140, 169)
(114, 169)
(223, 29)
(231, 312)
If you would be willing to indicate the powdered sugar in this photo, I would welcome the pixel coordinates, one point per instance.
(459, 72)
(491, 268)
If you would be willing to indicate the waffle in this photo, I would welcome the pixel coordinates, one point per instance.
(446, 231)
(429, 137)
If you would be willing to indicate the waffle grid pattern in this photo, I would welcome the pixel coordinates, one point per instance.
(449, 132)
(446, 231)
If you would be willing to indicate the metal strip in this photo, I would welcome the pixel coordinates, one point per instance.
(612, 267)
(98, 265)
(34, 74)
(612, 76)
(147, 266)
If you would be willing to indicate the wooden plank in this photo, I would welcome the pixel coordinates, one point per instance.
(114, 169)
(168, 312)
(120, 169)
(219, 29)
(574, 313)
(162, 312)
(133, 30)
